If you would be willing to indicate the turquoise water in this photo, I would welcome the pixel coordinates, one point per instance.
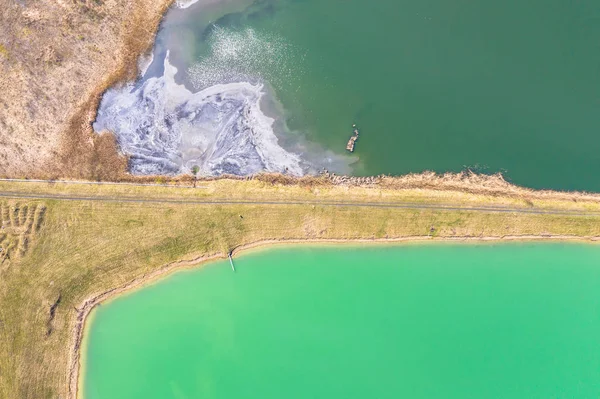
(509, 86)
(413, 321)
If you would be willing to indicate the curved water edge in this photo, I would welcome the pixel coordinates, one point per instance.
(222, 272)
(168, 129)
(416, 114)
(76, 365)
(219, 116)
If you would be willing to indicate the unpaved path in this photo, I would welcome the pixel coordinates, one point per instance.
(223, 201)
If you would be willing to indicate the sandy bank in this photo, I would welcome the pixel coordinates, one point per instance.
(95, 243)
(89, 304)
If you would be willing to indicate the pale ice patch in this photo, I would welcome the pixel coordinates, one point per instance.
(167, 129)
(185, 3)
(144, 63)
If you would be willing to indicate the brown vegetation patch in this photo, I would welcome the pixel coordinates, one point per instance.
(56, 59)
(19, 224)
(52, 312)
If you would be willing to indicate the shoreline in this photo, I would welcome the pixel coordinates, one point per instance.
(97, 159)
(466, 182)
(83, 312)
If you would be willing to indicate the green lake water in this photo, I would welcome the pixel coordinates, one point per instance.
(402, 321)
(511, 86)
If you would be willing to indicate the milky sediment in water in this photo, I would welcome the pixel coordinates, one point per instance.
(168, 129)
(210, 114)
(485, 85)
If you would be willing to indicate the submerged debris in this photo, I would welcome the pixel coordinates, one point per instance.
(352, 141)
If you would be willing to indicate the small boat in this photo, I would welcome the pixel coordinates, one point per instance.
(352, 141)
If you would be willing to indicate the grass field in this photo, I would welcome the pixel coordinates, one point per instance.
(60, 250)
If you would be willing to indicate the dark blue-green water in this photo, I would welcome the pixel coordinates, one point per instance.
(491, 86)
(510, 86)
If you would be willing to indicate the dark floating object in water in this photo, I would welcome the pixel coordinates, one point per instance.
(352, 141)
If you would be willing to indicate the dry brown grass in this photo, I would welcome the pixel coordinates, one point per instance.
(85, 248)
(447, 189)
(18, 227)
(57, 59)
(477, 184)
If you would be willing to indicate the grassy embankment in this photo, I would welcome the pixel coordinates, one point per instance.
(78, 249)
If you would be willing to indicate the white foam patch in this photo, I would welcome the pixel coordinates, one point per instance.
(244, 55)
(167, 129)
